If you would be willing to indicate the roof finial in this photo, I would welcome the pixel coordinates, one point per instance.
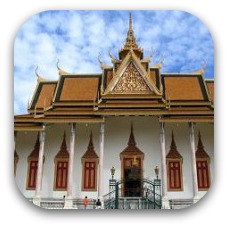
(130, 22)
(130, 43)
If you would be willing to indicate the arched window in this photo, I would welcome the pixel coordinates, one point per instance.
(33, 166)
(202, 166)
(89, 168)
(174, 168)
(61, 167)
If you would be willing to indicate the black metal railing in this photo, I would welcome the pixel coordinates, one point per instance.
(146, 195)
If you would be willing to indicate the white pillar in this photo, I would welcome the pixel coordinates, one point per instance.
(101, 161)
(15, 138)
(68, 200)
(37, 198)
(165, 200)
(15, 165)
(193, 156)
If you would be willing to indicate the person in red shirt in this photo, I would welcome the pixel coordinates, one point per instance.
(85, 202)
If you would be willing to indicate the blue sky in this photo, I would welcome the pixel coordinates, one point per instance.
(76, 38)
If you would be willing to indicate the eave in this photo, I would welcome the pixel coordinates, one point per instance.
(131, 105)
(131, 96)
(70, 119)
(79, 103)
(147, 112)
(188, 119)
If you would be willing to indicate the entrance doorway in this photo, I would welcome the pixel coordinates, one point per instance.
(132, 173)
(132, 168)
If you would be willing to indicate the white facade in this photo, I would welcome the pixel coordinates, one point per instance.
(116, 136)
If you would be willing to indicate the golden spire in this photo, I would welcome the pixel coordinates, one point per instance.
(130, 43)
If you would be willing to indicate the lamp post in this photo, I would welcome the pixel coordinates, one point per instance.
(156, 170)
(112, 172)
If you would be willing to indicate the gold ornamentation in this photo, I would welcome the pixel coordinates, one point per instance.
(131, 82)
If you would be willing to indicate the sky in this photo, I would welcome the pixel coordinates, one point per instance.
(75, 39)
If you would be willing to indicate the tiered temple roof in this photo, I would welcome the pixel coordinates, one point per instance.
(131, 86)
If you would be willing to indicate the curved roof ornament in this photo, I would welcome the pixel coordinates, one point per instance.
(103, 66)
(161, 61)
(61, 72)
(149, 58)
(201, 71)
(204, 66)
(57, 64)
(114, 60)
(98, 57)
(39, 78)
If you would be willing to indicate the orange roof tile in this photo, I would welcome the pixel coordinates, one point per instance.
(76, 89)
(210, 86)
(183, 88)
(45, 96)
(109, 77)
(152, 76)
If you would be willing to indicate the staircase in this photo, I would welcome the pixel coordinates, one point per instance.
(150, 196)
(180, 203)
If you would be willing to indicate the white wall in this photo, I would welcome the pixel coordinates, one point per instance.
(117, 131)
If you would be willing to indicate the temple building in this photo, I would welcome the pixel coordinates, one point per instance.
(131, 135)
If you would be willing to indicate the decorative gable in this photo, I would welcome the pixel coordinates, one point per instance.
(131, 81)
(63, 152)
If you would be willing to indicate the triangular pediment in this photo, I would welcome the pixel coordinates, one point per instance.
(131, 81)
(131, 78)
